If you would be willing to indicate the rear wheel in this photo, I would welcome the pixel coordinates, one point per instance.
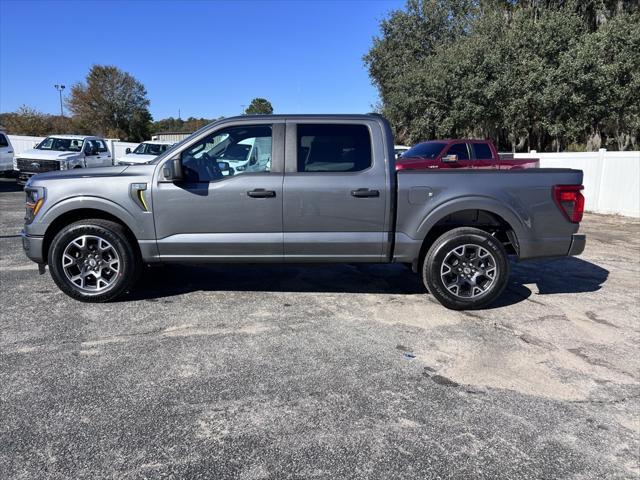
(466, 268)
(93, 260)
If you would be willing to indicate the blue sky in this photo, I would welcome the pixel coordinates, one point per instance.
(206, 58)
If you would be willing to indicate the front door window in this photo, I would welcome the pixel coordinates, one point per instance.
(228, 152)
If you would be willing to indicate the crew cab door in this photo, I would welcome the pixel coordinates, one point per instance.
(104, 156)
(91, 154)
(461, 151)
(483, 156)
(217, 213)
(336, 196)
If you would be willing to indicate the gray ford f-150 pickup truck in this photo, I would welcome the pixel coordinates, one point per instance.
(323, 188)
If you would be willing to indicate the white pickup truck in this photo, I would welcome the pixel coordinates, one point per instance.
(62, 152)
(145, 152)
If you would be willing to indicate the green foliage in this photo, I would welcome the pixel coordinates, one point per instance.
(189, 125)
(28, 121)
(529, 74)
(111, 103)
(259, 106)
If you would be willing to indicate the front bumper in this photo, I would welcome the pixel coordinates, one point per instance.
(33, 247)
(578, 242)
(23, 177)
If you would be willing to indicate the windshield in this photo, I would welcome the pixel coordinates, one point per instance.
(424, 150)
(151, 149)
(61, 144)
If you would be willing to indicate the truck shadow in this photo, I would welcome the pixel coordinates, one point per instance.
(565, 275)
(551, 276)
(9, 185)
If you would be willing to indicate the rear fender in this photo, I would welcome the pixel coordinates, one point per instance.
(519, 222)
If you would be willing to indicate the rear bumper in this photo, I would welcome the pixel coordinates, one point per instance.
(33, 247)
(578, 242)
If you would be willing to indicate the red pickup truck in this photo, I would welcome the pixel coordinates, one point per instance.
(459, 153)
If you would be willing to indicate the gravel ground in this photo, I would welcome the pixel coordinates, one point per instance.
(326, 372)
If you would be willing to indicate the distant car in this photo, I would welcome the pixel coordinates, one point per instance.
(145, 152)
(400, 149)
(459, 154)
(6, 154)
(62, 152)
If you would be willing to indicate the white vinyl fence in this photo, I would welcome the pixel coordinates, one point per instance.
(611, 179)
(21, 143)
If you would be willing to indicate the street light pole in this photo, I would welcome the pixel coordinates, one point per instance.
(60, 88)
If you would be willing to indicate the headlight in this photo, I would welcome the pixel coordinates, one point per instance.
(64, 165)
(35, 199)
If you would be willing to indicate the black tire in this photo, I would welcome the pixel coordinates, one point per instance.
(128, 262)
(443, 250)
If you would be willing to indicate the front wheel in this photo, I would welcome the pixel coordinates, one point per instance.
(466, 268)
(93, 260)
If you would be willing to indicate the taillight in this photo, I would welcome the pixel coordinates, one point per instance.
(570, 201)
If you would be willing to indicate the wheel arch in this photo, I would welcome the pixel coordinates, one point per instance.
(75, 215)
(506, 228)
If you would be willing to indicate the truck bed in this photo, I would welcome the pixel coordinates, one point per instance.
(522, 199)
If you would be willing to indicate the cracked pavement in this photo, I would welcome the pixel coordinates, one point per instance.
(335, 371)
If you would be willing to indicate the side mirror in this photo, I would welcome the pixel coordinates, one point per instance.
(450, 158)
(127, 151)
(172, 170)
(225, 168)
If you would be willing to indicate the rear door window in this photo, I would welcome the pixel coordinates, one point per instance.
(481, 151)
(459, 149)
(102, 147)
(333, 148)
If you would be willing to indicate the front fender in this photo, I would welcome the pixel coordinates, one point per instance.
(75, 162)
(141, 229)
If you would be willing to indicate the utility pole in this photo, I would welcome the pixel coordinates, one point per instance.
(60, 88)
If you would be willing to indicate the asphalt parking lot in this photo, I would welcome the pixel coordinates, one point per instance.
(323, 371)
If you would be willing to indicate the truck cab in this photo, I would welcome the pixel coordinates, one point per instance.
(62, 152)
